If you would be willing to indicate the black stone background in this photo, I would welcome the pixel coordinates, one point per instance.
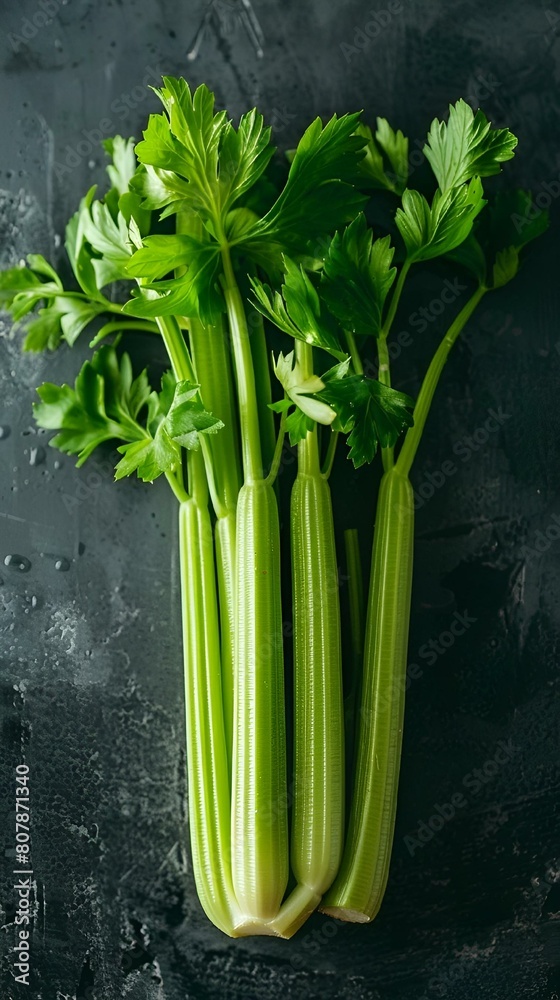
(91, 684)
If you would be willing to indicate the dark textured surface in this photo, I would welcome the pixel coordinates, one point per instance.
(91, 686)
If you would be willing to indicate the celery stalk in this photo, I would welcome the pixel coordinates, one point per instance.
(259, 799)
(357, 892)
(208, 778)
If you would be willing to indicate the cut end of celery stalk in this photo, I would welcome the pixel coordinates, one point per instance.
(299, 905)
(249, 927)
(350, 916)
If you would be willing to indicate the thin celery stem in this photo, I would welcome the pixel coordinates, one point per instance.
(261, 365)
(330, 455)
(395, 299)
(277, 456)
(384, 366)
(246, 390)
(429, 385)
(178, 489)
(354, 352)
(142, 326)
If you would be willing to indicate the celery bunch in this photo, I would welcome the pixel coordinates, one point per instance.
(210, 255)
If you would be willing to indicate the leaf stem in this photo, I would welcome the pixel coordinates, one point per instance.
(143, 326)
(354, 353)
(277, 456)
(330, 455)
(395, 299)
(431, 379)
(179, 491)
(246, 389)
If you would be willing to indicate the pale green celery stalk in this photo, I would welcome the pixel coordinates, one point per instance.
(358, 890)
(318, 790)
(259, 806)
(207, 760)
(211, 359)
(354, 673)
(212, 363)
(359, 887)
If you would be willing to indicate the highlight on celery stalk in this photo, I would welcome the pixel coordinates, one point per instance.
(192, 233)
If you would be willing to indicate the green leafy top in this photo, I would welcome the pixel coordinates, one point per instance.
(108, 403)
(385, 164)
(357, 277)
(460, 152)
(200, 146)
(296, 309)
(369, 412)
(433, 230)
(466, 146)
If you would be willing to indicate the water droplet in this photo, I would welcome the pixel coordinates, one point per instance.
(81, 548)
(20, 563)
(91, 164)
(62, 564)
(4, 431)
(58, 464)
(37, 455)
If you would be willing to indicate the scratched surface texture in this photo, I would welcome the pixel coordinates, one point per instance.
(91, 685)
